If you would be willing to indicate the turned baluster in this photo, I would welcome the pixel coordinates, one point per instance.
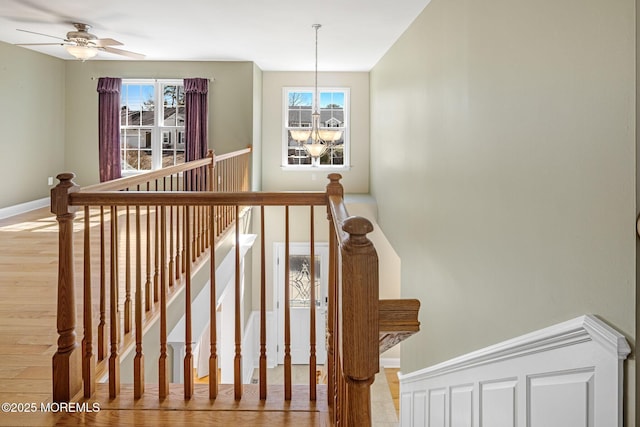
(138, 361)
(213, 336)
(188, 356)
(312, 312)
(88, 362)
(287, 312)
(237, 360)
(263, 311)
(102, 324)
(114, 313)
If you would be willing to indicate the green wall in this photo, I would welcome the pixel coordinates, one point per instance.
(355, 179)
(49, 114)
(230, 105)
(32, 119)
(503, 163)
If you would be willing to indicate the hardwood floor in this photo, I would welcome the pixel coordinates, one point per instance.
(28, 269)
(394, 386)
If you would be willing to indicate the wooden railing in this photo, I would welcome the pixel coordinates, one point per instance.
(156, 261)
(178, 224)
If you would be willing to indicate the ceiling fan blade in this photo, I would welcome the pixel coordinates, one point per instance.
(123, 52)
(41, 34)
(41, 44)
(105, 42)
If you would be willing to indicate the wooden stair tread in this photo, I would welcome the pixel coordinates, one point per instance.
(110, 418)
(397, 320)
(223, 411)
(224, 402)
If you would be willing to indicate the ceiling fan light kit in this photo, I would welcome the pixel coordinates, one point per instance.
(81, 52)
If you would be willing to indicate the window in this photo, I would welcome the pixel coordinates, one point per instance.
(151, 124)
(333, 107)
(300, 280)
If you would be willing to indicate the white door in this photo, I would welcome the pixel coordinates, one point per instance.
(299, 300)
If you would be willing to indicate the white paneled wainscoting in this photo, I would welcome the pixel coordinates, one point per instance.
(567, 375)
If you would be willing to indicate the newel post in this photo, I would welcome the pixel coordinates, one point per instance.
(67, 368)
(334, 188)
(360, 336)
(211, 166)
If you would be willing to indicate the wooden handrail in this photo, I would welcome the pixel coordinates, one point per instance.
(221, 157)
(337, 210)
(143, 178)
(184, 198)
(397, 320)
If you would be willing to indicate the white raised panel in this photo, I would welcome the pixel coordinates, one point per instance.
(405, 409)
(570, 375)
(561, 400)
(419, 409)
(498, 404)
(437, 408)
(461, 413)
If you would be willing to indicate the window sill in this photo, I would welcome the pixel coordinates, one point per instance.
(309, 168)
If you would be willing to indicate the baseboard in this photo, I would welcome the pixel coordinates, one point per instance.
(390, 362)
(10, 211)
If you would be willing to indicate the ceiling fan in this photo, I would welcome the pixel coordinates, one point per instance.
(84, 45)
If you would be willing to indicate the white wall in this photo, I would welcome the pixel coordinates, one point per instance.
(274, 178)
(503, 163)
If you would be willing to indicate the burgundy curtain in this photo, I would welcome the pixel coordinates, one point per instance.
(109, 128)
(195, 127)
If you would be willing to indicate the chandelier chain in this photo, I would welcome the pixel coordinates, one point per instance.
(317, 27)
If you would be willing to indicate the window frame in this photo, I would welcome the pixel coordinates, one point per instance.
(158, 129)
(346, 136)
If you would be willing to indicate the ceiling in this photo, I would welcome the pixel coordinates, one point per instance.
(275, 34)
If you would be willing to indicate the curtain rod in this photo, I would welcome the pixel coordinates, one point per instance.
(211, 79)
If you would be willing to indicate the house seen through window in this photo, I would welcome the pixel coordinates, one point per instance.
(333, 106)
(152, 114)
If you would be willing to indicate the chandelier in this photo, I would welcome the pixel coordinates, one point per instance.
(316, 140)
